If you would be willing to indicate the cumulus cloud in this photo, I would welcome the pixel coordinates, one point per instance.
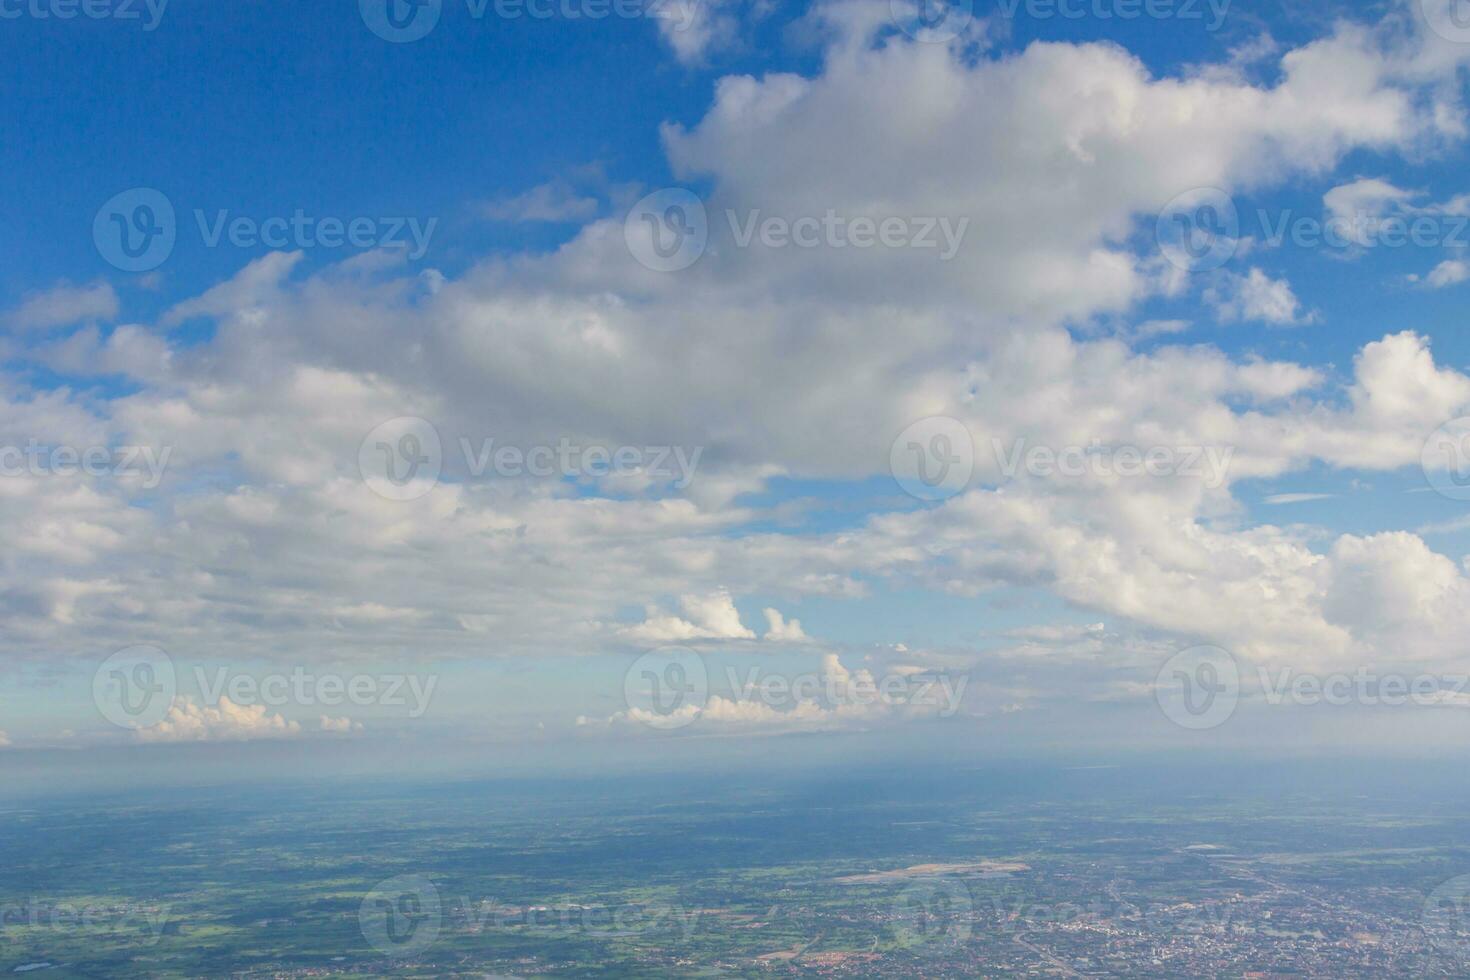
(340, 726)
(706, 617)
(188, 721)
(1256, 296)
(1053, 152)
(779, 629)
(1058, 154)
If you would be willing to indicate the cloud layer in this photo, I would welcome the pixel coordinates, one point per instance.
(779, 363)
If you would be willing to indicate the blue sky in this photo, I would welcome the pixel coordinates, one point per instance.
(266, 379)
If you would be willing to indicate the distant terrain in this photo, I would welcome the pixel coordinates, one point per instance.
(1081, 873)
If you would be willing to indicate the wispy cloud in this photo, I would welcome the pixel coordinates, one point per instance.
(1296, 498)
(63, 305)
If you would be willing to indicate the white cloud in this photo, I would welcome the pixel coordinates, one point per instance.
(1056, 153)
(340, 726)
(1256, 296)
(1052, 181)
(851, 699)
(64, 305)
(782, 630)
(246, 295)
(188, 721)
(707, 617)
(555, 200)
(1296, 498)
(1358, 208)
(1150, 329)
(1055, 634)
(1450, 272)
(693, 29)
(1364, 208)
